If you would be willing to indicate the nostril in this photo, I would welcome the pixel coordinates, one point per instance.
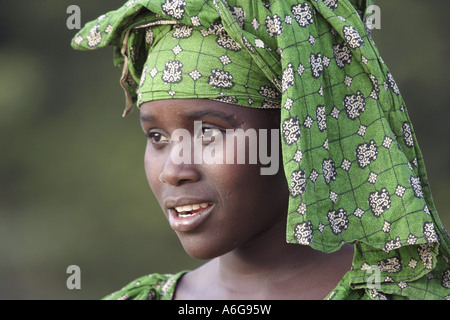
(182, 181)
(176, 175)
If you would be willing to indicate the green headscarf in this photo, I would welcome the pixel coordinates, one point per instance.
(352, 162)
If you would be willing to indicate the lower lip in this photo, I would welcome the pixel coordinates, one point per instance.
(189, 222)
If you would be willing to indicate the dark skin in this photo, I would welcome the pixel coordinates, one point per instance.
(242, 231)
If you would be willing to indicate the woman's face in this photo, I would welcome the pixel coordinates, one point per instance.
(214, 206)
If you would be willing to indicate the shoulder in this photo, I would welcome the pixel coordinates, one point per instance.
(154, 286)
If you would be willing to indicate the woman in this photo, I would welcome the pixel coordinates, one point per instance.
(351, 197)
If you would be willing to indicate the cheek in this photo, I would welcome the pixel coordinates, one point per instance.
(246, 194)
(152, 172)
(263, 198)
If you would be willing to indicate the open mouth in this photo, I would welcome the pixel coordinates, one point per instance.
(189, 217)
(191, 209)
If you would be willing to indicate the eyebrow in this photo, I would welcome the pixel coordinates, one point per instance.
(146, 118)
(230, 118)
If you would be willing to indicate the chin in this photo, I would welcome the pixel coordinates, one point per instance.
(203, 249)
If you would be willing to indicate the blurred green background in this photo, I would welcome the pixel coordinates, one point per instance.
(72, 183)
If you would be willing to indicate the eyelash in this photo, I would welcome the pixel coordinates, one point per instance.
(222, 131)
(151, 134)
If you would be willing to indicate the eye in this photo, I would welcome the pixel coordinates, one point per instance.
(209, 133)
(156, 137)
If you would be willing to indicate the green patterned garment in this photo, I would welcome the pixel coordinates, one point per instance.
(352, 162)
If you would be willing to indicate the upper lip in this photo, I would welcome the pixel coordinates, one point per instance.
(170, 203)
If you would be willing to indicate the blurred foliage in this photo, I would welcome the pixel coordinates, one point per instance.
(72, 183)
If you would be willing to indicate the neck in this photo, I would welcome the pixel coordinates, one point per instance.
(267, 268)
(265, 264)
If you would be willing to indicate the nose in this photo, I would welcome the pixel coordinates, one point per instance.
(176, 173)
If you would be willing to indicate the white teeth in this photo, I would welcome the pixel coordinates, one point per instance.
(190, 207)
(185, 215)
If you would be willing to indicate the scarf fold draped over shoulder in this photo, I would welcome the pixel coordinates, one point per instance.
(351, 158)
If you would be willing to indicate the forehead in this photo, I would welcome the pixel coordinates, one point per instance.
(193, 109)
(188, 109)
(187, 105)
